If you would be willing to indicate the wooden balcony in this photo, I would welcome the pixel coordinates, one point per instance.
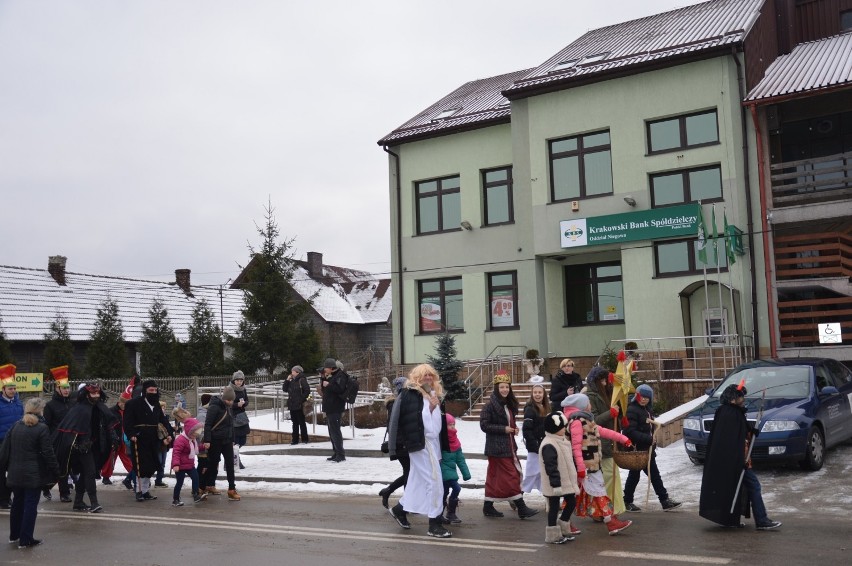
(820, 179)
(812, 256)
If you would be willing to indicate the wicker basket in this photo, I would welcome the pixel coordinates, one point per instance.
(630, 459)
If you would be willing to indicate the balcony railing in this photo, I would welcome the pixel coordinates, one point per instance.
(813, 256)
(819, 179)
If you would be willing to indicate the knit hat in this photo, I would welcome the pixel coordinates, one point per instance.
(148, 383)
(450, 419)
(398, 384)
(578, 400)
(7, 375)
(597, 373)
(645, 391)
(60, 375)
(330, 363)
(298, 369)
(238, 375)
(554, 422)
(190, 424)
(228, 393)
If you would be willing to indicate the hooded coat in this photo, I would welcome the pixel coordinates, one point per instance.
(723, 464)
(27, 456)
(56, 409)
(86, 427)
(297, 390)
(140, 420)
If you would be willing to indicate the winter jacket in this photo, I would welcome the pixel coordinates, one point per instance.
(26, 455)
(638, 429)
(56, 409)
(185, 449)
(400, 441)
(297, 390)
(334, 394)
(560, 384)
(603, 418)
(11, 411)
(533, 428)
(406, 426)
(586, 439)
(557, 465)
(452, 460)
(223, 431)
(493, 421)
(236, 409)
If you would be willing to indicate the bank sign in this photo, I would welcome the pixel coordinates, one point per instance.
(651, 224)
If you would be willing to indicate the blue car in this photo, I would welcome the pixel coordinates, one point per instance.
(807, 408)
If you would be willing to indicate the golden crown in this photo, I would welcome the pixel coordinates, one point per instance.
(502, 377)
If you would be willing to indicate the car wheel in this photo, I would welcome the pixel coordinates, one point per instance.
(696, 461)
(815, 455)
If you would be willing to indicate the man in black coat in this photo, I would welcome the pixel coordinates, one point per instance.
(142, 418)
(297, 389)
(333, 389)
(54, 412)
(725, 462)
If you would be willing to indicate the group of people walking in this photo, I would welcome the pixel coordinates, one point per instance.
(77, 437)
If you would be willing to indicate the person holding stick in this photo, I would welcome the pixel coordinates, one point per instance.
(728, 485)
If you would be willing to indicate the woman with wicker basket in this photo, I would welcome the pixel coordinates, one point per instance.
(586, 435)
(640, 417)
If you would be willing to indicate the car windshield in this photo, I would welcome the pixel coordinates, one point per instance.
(779, 382)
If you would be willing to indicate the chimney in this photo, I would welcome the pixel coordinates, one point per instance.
(315, 265)
(56, 267)
(182, 280)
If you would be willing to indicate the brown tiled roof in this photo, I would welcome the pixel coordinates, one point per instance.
(478, 103)
(658, 40)
(816, 65)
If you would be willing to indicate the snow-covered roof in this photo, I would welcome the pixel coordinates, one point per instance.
(31, 299)
(345, 295)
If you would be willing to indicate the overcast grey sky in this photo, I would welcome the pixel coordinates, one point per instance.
(137, 137)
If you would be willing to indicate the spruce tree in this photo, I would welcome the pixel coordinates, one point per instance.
(159, 347)
(106, 357)
(5, 348)
(448, 367)
(203, 349)
(275, 329)
(59, 349)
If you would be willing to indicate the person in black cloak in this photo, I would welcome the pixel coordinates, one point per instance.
(143, 418)
(726, 461)
(83, 440)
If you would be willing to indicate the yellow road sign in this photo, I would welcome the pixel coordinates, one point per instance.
(27, 382)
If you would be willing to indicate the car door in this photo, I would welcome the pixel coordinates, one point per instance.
(842, 379)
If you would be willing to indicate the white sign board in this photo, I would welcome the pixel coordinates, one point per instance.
(829, 333)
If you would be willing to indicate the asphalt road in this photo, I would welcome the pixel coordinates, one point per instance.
(300, 529)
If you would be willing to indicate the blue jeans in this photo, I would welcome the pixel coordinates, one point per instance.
(22, 517)
(334, 433)
(451, 486)
(193, 475)
(752, 487)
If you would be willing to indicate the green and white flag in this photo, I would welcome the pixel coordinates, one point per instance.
(702, 237)
(729, 241)
(714, 236)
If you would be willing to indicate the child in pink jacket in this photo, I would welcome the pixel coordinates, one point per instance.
(586, 445)
(184, 452)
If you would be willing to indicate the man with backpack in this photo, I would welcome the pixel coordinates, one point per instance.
(333, 388)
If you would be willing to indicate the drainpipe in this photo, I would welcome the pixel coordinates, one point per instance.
(770, 292)
(401, 305)
(750, 228)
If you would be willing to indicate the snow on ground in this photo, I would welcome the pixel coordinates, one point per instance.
(785, 489)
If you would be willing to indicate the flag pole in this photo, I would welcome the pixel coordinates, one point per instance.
(702, 257)
(719, 288)
(731, 260)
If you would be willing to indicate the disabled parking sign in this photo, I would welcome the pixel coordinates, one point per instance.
(829, 333)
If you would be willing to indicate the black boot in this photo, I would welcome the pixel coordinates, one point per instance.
(400, 516)
(452, 505)
(524, 512)
(437, 530)
(385, 493)
(489, 511)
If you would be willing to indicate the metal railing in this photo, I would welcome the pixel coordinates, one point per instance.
(479, 378)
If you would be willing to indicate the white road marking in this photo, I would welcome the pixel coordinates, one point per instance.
(307, 531)
(668, 557)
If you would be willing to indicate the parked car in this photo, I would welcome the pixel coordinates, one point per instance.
(806, 410)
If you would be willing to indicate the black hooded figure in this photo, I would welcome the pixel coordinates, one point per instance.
(725, 461)
(83, 440)
(142, 417)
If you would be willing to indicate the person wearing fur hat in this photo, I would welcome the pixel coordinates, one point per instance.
(241, 419)
(27, 457)
(55, 410)
(555, 459)
(725, 463)
(400, 453)
(503, 475)
(83, 441)
(452, 461)
(417, 420)
(599, 391)
(142, 417)
(535, 411)
(586, 435)
(640, 417)
(297, 389)
(219, 441)
(183, 460)
(11, 411)
(119, 451)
